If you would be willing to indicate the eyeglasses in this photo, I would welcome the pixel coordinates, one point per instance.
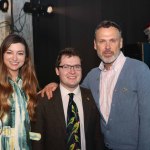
(69, 67)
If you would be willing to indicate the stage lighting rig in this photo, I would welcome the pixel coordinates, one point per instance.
(4, 5)
(37, 8)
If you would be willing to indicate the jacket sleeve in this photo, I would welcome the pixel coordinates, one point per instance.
(143, 84)
(38, 127)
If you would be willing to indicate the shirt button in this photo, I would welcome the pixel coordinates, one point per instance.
(115, 90)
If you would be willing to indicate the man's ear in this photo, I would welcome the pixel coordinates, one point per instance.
(121, 43)
(57, 71)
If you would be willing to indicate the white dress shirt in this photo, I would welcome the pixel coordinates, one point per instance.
(78, 101)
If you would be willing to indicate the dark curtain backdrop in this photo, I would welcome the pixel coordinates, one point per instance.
(73, 25)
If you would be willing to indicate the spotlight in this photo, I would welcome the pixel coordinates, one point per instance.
(37, 9)
(4, 5)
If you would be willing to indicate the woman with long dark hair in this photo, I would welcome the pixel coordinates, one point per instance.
(18, 87)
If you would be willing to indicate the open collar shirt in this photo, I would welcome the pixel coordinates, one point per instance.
(108, 80)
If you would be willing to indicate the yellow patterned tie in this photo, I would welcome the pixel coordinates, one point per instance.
(73, 125)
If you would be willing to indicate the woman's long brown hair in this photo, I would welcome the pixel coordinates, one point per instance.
(27, 73)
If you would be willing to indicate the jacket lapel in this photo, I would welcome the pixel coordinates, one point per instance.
(59, 110)
(86, 108)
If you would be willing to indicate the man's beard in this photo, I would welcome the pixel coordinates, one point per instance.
(109, 60)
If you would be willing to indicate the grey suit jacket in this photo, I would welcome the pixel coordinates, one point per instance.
(51, 123)
(128, 127)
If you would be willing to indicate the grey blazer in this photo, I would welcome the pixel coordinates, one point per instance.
(51, 123)
(128, 127)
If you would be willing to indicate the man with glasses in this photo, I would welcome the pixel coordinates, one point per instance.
(70, 120)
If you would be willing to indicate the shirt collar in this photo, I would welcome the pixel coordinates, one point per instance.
(65, 92)
(116, 64)
(18, 81)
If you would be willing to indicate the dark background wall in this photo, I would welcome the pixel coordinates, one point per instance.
(73, 24)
